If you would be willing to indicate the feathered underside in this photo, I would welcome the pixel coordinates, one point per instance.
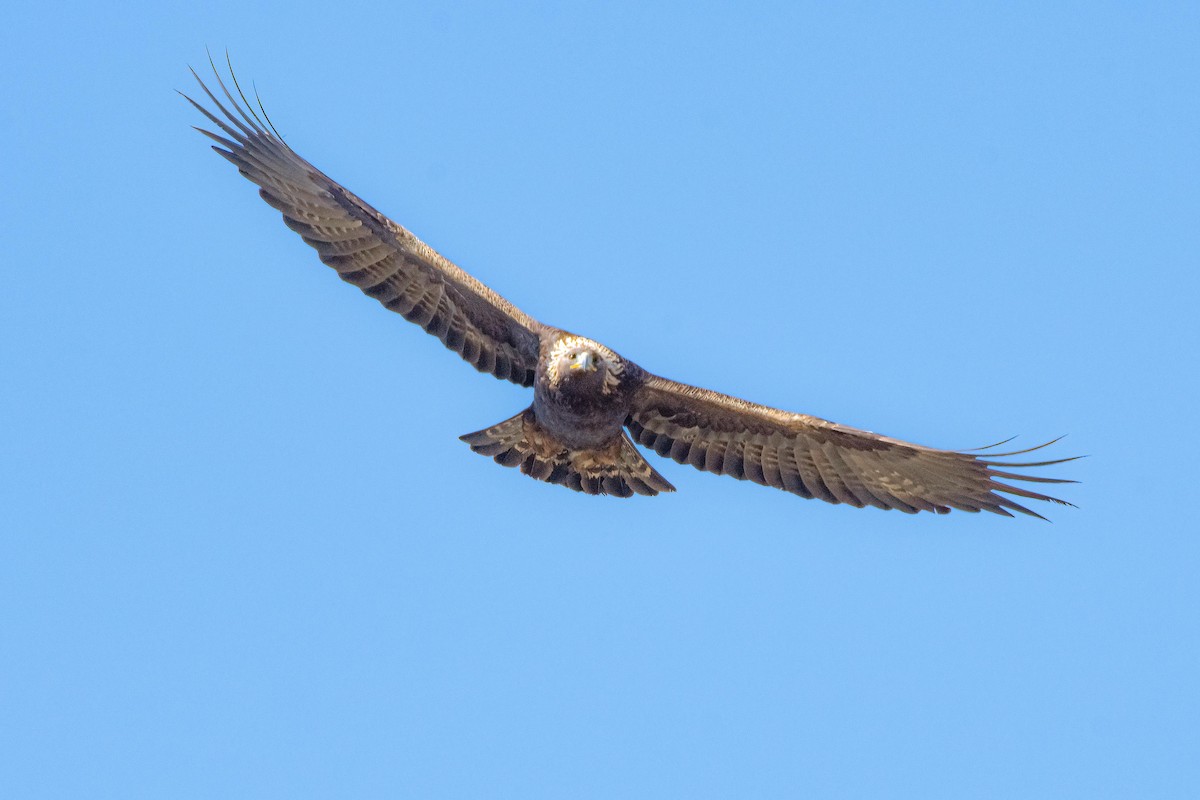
(815, 458)
(615, 468)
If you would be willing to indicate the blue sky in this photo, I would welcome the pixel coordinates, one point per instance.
(243, 554)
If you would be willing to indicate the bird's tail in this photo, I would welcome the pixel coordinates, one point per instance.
(615, 468)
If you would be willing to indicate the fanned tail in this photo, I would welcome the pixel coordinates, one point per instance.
(616, 468)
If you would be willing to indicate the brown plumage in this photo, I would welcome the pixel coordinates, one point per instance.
(585, 395)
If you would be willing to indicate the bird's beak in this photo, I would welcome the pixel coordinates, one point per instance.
(585, 361)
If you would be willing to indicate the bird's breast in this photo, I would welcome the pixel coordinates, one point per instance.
(579, 419)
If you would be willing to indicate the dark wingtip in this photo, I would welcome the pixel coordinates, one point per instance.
(988, 446)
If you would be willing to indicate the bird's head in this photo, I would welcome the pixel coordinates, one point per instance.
(581, 365)
(581, 361)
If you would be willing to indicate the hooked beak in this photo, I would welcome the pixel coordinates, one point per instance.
(584, 361)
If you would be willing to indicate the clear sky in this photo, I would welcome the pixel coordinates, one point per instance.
(243, 554)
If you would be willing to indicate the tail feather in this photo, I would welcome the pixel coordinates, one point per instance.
(616, 468)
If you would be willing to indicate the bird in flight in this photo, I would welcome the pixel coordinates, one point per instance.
(590, 404)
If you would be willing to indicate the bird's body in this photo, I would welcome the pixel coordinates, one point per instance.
(574, 432)
(586, 398)
(582, 389)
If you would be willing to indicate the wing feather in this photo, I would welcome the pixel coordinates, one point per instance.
(812, 457)
(372, 252)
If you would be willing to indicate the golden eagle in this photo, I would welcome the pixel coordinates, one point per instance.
(584, 394)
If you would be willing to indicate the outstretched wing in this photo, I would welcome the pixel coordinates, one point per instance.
(813, 457)
(371, 251)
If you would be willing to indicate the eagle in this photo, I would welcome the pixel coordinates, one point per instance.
(590, 404)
